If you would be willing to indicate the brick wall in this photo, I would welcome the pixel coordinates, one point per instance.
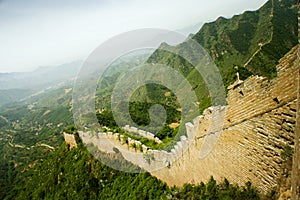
(260, 121)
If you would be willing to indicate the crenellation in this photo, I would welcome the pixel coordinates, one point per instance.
(70, 140)
(142, 133)
(259, 122)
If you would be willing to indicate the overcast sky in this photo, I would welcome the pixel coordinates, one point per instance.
(37, 33)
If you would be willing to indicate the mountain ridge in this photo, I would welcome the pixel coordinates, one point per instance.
(42, 117)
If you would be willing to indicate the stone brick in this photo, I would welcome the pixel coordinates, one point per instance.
(254, 132)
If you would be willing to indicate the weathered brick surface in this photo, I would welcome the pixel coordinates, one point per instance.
(70, 140)
(260, 120)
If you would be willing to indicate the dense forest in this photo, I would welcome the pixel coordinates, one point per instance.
(250, 43)
(75, 174)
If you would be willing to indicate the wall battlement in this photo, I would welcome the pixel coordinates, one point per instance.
(259, 121)
(70, 140)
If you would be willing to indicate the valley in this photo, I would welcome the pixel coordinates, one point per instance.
(239, 149)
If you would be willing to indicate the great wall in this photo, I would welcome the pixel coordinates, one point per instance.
(259, 121)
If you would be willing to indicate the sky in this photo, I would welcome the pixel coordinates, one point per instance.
(35, 33)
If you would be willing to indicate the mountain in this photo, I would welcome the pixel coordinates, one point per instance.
(11, 95)
(31, 126)
(30, 130)
(250, 43)
(255, 40)
(16, 86)
(39, 78)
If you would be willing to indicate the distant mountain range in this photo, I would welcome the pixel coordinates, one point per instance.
(250, 43)
(39, 78)
(18, 85)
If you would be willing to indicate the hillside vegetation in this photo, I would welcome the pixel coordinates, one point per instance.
(75, 174)
(250, 43)
(29, 131)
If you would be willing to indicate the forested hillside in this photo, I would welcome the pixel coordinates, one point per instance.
(30, 130)
(250, 43)
(255, 40)
(75, 174)
(36, 164)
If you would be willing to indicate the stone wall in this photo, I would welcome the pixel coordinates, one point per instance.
(145, 134)
(70, 140)
(296, 159)
(245, 145)
(259, 121)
